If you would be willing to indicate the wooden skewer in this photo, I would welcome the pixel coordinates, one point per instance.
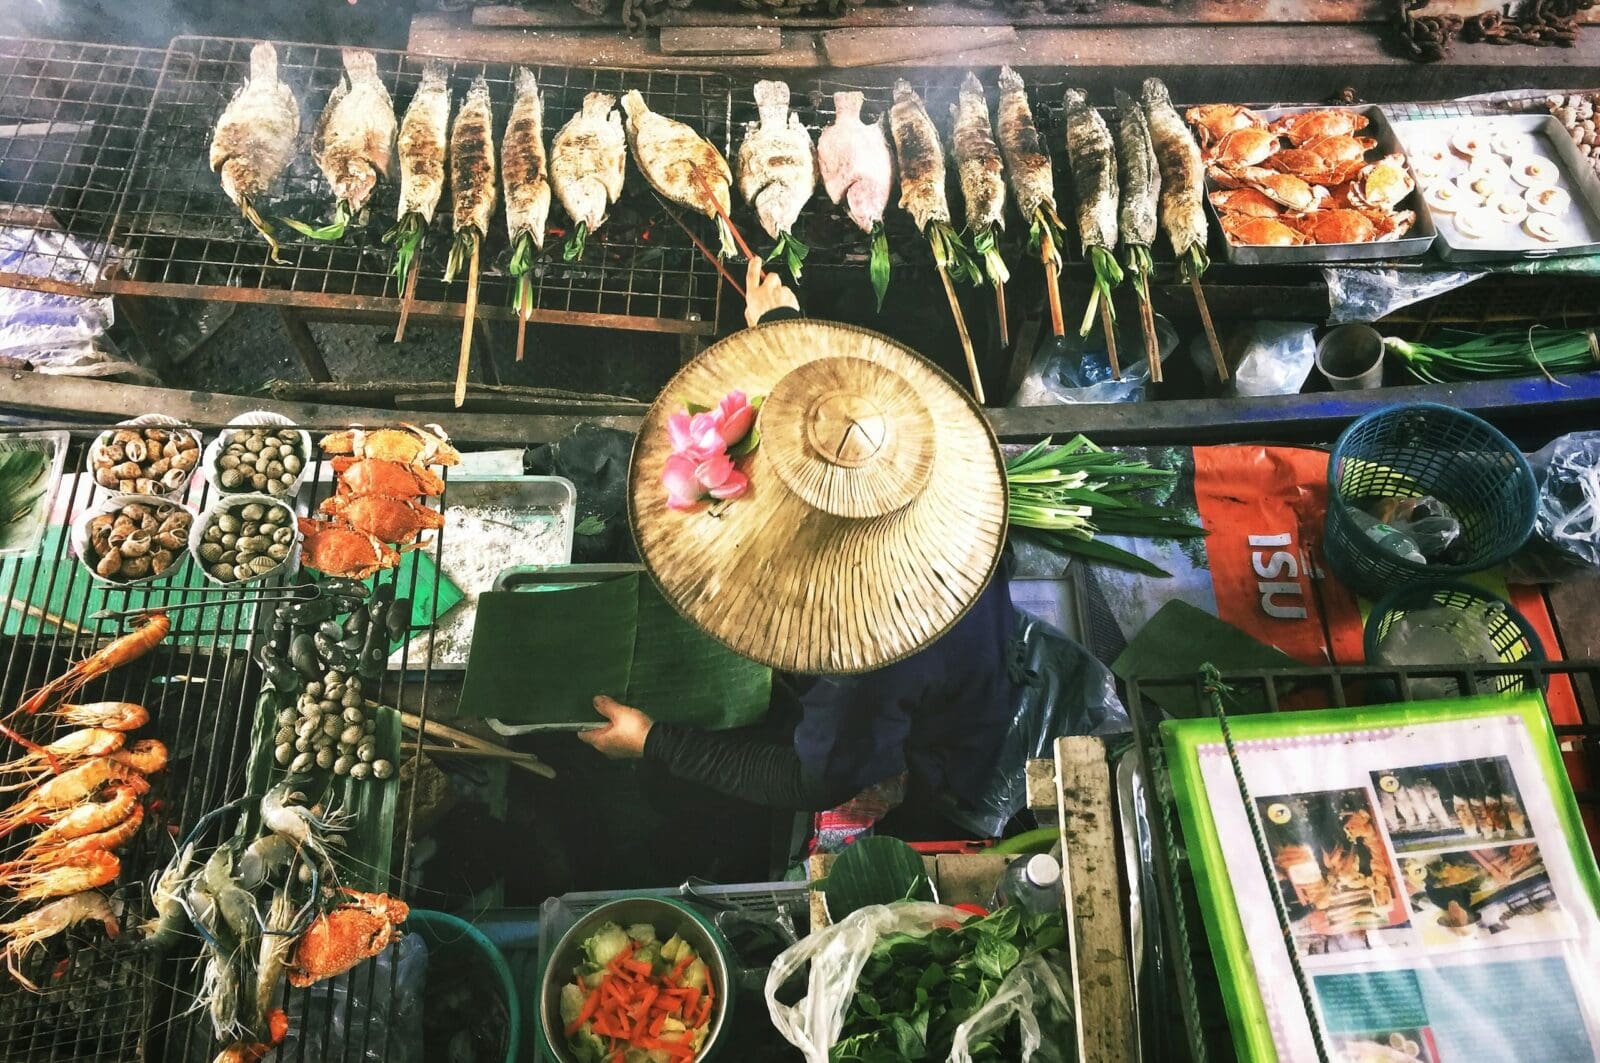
(525, 761)
(1109, 328)
(1052, 288)
(522, 331)
(1211, 330)
(1000, 307)
(738, 237)
(510, 755)
(1147, 323)
(466, 325)
(966, 340)
(706, 251)
(405, 299)
(50, 618)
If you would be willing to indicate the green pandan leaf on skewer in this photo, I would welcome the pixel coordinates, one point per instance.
(878, 264)
(326, 233)
(792, 252)
(461, 246)
(407, 236)
(987, 246)
(1107, 275)
(576, 243)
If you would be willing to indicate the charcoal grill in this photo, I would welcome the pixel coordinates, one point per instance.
(105, 1000)
(185, 239)
(70, 116)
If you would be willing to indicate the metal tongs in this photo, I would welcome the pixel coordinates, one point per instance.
(294, 592)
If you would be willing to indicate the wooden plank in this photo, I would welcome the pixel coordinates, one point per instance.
(720, 40)
(875, 47)
(967, 878)
(1091, 877)
(1041, 776)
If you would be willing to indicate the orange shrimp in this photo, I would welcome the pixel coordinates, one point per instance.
(119, 651)
(54, 854)
(146, 756)
(27, 932)
(51, 800)
(95, 816)
(112, 715)
(70, 748)
(71, 875)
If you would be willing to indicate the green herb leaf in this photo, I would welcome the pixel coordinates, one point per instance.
(751, 440)
(332, 231)
(573, 250)
(878, 264)
(593, 524)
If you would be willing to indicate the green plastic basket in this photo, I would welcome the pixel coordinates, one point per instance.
(1513, 637)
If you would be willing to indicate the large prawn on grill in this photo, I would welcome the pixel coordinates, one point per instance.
(354, 142)
(254, 139)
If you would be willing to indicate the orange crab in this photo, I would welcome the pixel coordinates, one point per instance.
(1302, 163)
(1244, 201)
(389, 520)
(1335, 227)
(336, 550)
(1307, 126)
(1213, 121)
(1260, 232)
(1244, 147)
(336, 941)
(1383, 184)
(1283, 188)
(408, 443)
(394, 479)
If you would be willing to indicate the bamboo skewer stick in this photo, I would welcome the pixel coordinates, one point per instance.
(738, 237)
(526, 761)
(466, 324)
(966, 340)
(522, 332)
(1147, 323)
(405, 299)
(1211, 330)
(29, 609)
(706, 251)
(1000, 307)
(509, 755)
(1052, 286)
(1109, 328)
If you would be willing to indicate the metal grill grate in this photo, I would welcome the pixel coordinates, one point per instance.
(1191, 1009)
(106, 1000)
(70, 116)
(187, 240)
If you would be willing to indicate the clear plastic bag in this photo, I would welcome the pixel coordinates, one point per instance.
(1035, 990)
(366, 1016)
(1427, 522)
(1073, 370)
(1061, 690)
(1357, 295)
(1268, 357)
(1568, 473)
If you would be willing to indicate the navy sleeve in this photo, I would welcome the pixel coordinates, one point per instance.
(739, 766)
(779, 313)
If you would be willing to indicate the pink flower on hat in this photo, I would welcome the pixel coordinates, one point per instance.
(734, 415)
(700, 466)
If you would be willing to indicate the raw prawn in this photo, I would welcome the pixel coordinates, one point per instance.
(392, 479)
(69, 749)
(146, 756)
(278, 933)
(54, 798)
(105, 841)
(92, 817)
(162, 930)
(26, 932)
(408, 443)
(72, 875)
(119, 651)
(112, 715)
(283, 813)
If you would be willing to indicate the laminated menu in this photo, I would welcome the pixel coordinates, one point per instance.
(1440, 893)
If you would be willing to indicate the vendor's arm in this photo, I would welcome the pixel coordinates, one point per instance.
(766, 299)
(763, 773)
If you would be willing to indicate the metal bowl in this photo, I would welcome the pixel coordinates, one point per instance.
(668, 917)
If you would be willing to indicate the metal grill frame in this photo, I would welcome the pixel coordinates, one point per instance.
(640, 271)
(1202, 1020)
(105, 1000)
(77, 111)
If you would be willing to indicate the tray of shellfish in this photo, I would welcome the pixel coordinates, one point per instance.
(1295, 185)
(1503, 187)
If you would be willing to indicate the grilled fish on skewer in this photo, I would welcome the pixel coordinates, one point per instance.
(472, 189)
(254, 138)
(777, 171)
(1092, 159)
(1137, 223)
(983, 184)
(353, 143)
(858, 170)
(587, 162)
(1027, 163)
(525, 173)
(424, 140)
(1182, 179)
(921, 159)
(680, 164)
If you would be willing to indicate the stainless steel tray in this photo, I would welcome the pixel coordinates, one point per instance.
(1415, 243)
(20, 538)
(1548, 140)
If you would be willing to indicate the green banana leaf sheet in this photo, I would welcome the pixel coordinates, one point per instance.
(540, 657)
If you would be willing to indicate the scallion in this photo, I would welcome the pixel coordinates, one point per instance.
(1471, 356)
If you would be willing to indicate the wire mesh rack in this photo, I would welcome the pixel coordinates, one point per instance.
(110, 1000)
(1184, 1018)
(185, 239)
(70, 116)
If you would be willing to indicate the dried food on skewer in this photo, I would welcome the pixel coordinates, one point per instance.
(255, 138)
(680, 164)
(1140, 174)
(1028, 165)
(472, 176)
(1092, 158)
(524, 169)
(354, 142)
(1183, 182)
(587, 163)
(922, 177)
(858, 170)
(424, 145)
(982, 176)
(777, 171)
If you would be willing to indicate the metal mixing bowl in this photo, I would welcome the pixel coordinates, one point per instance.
(668, 917)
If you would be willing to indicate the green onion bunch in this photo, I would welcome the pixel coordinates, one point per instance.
(1107, 275)
(1471, 356)
(1064, 497)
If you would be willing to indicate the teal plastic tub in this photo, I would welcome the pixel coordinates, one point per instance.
(444, 932)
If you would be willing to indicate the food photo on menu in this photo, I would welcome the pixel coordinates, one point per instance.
(1500, 895)
(1460, 803)
(1411, 1045)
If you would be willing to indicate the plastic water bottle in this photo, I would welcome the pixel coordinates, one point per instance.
(1034, 882)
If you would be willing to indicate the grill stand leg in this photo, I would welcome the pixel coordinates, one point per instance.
(305, 345)
(488, 342)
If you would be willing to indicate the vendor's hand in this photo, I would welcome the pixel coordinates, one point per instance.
(623, 736)
(764, 293)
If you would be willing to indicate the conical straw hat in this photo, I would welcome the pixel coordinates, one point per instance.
(876, 509)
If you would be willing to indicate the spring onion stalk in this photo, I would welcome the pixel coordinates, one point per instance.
(521, 267)
(461, 246)
(792, 252)
(1193, 263)
(1136, 259)
(259, 224)
(988, 248)
(878, 264)
(1045, 220)
(332, 231)
(1065, 496)
(573, 249)
(730, 244)
(407, 237)
(1107, 275)
(951, 255)
(1470, 356)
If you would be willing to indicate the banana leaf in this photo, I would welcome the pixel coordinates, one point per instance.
(874, 870)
